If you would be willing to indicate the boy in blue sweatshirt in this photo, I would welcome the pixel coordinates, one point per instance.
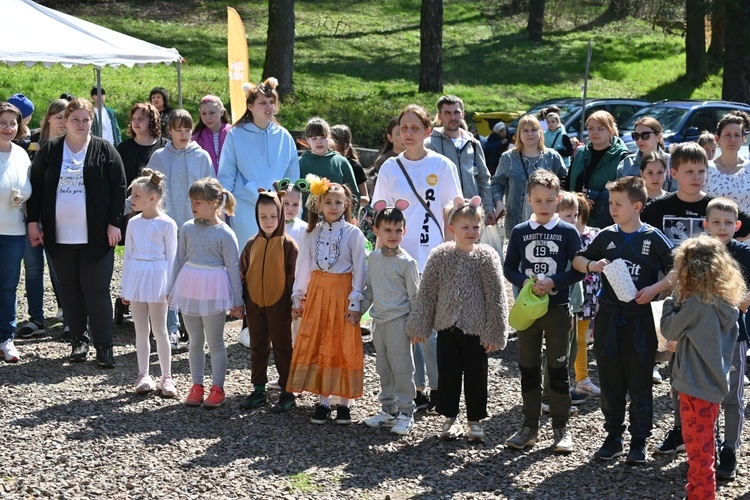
(544, 245)
(624, 332)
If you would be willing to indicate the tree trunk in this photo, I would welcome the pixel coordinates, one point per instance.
(536, 20)
(696, 67)
(718, 18)
(280, 45)
(431, 46)
(618, 9)
(737, 54)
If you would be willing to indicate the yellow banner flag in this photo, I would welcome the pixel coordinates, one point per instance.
(239, 63)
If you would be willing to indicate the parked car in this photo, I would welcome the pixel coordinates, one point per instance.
(485, 121)
(681, 121)
(570, 111)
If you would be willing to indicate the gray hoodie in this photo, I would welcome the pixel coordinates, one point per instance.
(706, 335)
(181, 167)
(470, 162)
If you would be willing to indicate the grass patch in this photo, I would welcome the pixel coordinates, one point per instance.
(302, 483)
(358, 62)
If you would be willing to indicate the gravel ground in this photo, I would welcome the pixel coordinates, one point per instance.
(74, 430)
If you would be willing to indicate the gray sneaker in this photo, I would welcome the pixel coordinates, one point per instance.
(451, 430)
(521, 439)
(563, 442)
(474, 432)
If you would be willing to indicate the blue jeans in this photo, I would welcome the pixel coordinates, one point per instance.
(173, 322)
(11, 253)
(33, 262)
(425, 355)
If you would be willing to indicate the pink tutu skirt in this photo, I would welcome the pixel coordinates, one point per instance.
(201, 291)
(145, 281)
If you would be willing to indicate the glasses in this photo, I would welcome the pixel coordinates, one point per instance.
(4, 125)
(643, 135)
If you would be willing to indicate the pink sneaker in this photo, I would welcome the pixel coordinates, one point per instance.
(195, 398)
(144, 384)
(166, 387)
(215, 397)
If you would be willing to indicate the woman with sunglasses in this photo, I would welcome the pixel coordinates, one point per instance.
(729, 174)
(648, 137)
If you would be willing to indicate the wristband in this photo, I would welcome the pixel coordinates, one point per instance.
(588, 266)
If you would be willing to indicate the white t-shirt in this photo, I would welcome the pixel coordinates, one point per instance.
(14, 175)
(70, 217)
(436, 180)
(733, 186)
(107, 132)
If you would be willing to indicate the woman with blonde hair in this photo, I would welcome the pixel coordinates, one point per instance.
(515, 168)
(596, 165)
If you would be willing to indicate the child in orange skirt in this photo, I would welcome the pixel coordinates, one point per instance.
(328, 359)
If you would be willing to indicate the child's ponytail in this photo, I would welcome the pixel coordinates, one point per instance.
(229, 202)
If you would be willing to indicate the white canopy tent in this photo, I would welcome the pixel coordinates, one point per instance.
(37, 34)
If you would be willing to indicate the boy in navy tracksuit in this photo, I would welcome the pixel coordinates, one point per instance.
(624, 332)
(722, 221)
(544, 245)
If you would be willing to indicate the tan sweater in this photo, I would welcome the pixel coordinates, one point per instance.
(462, 290)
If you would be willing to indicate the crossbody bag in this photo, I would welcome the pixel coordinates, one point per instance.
(421, 200)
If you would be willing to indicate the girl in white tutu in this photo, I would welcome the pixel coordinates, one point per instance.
(150, 247)
(206, 283)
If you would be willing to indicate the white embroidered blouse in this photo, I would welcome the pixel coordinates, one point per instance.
(332, 248)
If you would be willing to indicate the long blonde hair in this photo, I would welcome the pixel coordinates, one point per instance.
(705, 269)
(529, 120)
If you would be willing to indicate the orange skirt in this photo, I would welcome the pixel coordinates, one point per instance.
(328, 358)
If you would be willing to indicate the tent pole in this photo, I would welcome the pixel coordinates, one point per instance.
(99, 99)
(179, 82)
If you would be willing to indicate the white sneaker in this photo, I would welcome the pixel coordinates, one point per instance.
(656, 377)
(586, 386)
(404, 423)
(144, 384)
(451, 430)
(563, 442)
(474, 432)
(8, 349)
(273, 385)
(59, 314)
(174, 340)
(245, 337)
(381, 419)
(166, 387)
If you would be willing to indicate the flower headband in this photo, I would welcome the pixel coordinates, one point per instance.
(302, 185)
(318, 189)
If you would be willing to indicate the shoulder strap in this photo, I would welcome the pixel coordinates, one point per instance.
(559, 133)
(421, 200)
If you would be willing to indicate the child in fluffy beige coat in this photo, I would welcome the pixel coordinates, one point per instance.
(461, 295)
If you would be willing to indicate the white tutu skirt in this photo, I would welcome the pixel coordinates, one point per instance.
(145, 281)
(201, 291)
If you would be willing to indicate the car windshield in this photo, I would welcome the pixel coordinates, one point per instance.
(669, 117)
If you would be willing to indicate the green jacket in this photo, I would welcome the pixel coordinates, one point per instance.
(333, 167)
(117, 135)
(606, 170)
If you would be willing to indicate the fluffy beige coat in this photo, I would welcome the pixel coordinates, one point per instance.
(463, 290)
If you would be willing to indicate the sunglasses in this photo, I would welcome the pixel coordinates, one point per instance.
(643, 135)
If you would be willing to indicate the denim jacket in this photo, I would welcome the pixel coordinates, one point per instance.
(509, 181)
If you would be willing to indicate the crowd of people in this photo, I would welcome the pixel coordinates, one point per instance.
(217, 217)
